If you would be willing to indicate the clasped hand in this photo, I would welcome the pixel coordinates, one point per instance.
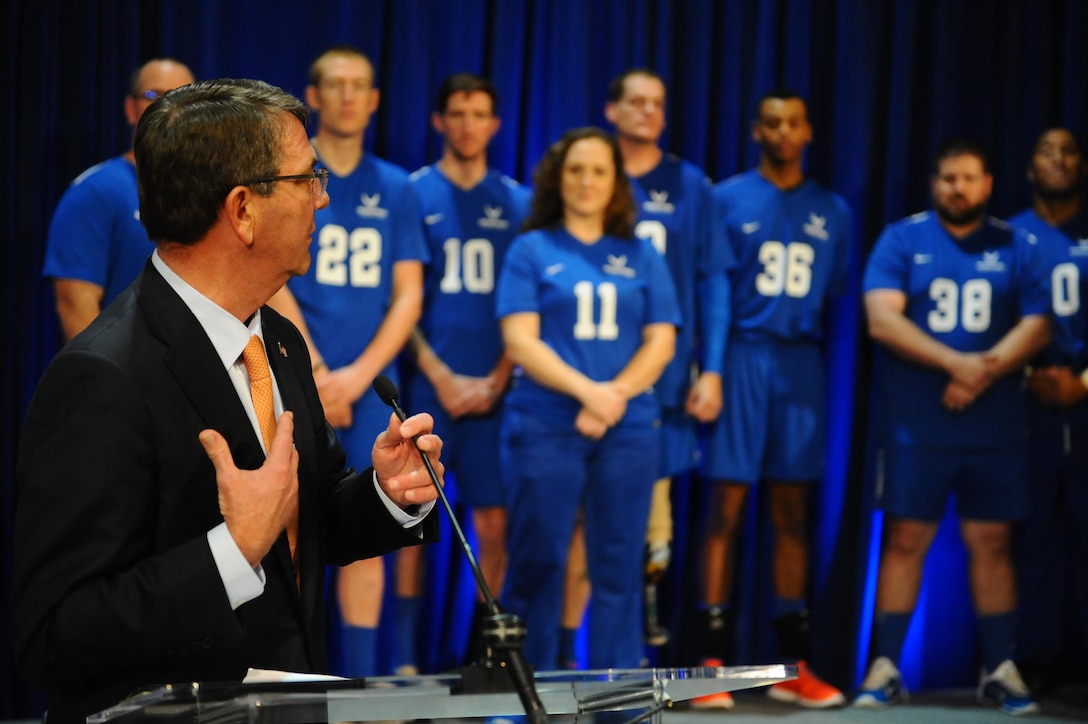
(973, 376)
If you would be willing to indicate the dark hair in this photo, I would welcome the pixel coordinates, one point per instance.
(779, 94)
(346, 50)
(1052, 129)
(546, 210)
(960, 147)
(134, 79)
(617, 87)
(196, 143)
(465, 83)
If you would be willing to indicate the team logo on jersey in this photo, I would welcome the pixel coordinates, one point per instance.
(659, 203)
(617, 266)
(1080, 249)
(816, 226)
(923, 258)
(369, 208)
(432, 219)
(554, 269)
(991, 262)
(750, 227)
(492, 218)
(136, 214)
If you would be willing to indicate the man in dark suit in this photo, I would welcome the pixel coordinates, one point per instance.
(159, 536)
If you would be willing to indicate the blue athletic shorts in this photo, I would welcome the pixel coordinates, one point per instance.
(369, 418)
(470, 449)
(773, 414)
(678, 449)
(988, 484)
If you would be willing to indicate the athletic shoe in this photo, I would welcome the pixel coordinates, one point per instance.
(807, 690)
(883, 686)
(721, 700)
(1007, 690)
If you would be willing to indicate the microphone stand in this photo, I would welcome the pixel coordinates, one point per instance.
(502, 668)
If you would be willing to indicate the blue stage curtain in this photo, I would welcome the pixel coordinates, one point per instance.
(886, 82)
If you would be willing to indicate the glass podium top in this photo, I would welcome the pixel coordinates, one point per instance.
(439, 696)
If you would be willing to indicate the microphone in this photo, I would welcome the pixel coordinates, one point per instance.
(507, 631)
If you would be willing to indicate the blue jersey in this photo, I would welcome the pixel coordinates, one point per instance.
(676, 214)
(1065, 257)
(468, 234)
(966, 293)
(371, 223)
(792, 250)
(593, 301)
(95, 235)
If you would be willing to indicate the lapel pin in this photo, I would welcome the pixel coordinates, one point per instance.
(283, 350)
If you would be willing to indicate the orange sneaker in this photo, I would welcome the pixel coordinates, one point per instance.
(807, 690)
(720, 700)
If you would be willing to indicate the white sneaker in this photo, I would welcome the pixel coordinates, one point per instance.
(1006, 688)
(883, 686)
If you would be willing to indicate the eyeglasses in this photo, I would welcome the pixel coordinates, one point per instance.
(148, 95)
(319, 180)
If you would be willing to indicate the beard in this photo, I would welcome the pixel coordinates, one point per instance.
(961, 216)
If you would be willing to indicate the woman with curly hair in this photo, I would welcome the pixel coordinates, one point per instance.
(589, 314)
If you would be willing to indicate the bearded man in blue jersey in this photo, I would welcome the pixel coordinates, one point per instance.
(958, 302)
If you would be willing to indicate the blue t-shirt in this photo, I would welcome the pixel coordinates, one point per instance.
(371, 223)
(593, 301)
(676, 214)
(966, 293)
(1065, 257)
(468, 233)
(792, 250)
(96, 235)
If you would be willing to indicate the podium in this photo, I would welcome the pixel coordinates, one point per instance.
(431, 697)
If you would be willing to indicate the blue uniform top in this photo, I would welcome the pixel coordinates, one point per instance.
(593, 301)
(468, 234)
(96, 235)
(1065, 257)
(676, 214)
(966, 293)
(792, 250)
(372, 222)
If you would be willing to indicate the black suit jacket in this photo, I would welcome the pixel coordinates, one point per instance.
(115, 584)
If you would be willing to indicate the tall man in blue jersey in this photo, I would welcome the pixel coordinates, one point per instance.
(958, 302)
(361, 298)
(1052, 544)
(471, 214)
(96, 244)
(791, 239)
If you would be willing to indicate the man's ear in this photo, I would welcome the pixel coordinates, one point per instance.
(240, 212)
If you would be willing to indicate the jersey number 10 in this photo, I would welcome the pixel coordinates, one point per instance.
(469, 266)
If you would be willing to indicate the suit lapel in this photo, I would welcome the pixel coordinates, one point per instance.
(284, 357)
(198, 369)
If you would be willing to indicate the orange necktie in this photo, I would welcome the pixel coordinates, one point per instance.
(260, 388)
